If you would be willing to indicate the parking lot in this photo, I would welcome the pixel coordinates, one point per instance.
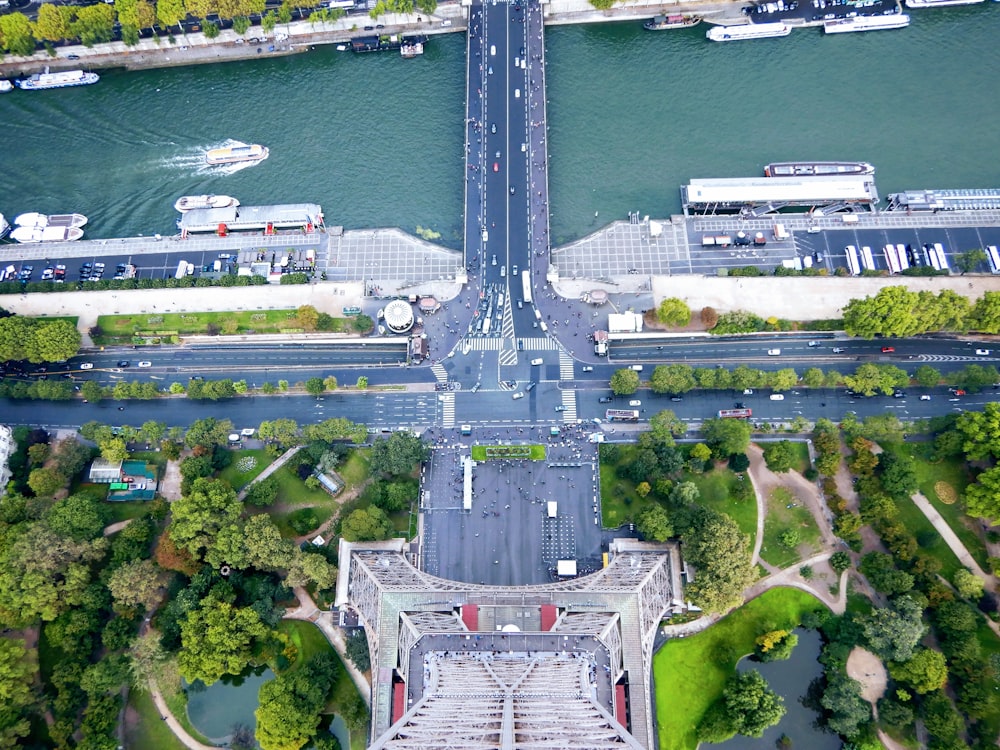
(508, 537)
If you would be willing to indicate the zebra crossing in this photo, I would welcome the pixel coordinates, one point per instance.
(439, 372)
(495, 344)
(953, 358)
(569, 402)
(566, 366)
(447, 401)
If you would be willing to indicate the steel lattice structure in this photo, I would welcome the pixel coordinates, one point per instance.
(542, 693)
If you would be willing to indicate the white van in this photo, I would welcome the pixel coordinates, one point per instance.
(493, 49)
(517, 93)
(773, 352)
(777, 396)
(543, 326)
(635, 402)
(637, 368)
(537, 361)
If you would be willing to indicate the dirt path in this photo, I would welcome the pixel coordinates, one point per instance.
(280, 461)
(114, 528)
(175, 726)
(170, 485)
(951, 539)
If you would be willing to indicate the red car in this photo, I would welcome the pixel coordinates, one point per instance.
(888, 349)
(958, 392)
(496, 166)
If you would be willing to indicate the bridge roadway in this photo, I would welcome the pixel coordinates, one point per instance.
(506, 189)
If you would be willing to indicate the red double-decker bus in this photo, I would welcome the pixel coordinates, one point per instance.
(735, 413)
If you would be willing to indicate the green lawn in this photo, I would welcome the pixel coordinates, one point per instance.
(293, 491)
(488, 452)
(619, 501)
(307, 638)
(126, 510)
(689, 673)
(177, 703)
(927, 537)
(780, 519)
(801, 451)
(355, 470)
(284, 520)
(240, 479)
(717, 493)
(149, 732)
(952, 472)
(121, 328)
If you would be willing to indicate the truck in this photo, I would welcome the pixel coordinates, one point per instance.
(601, 343)
(735, 413)
(780, 233)
(182, 269)
(622, 415)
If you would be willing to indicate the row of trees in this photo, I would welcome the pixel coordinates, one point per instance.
(867, 379)
(36, 339)
(897, 311)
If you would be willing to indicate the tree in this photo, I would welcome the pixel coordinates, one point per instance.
(676, 379)
(262, 493)
(881, 572)
(747, 706)
(783, 380)
(779, 456)
(941, 718)
(654, 524)
(70, 456)
(265, 546)
(288, 713)
(775, 645)
(78, 517)
(400, 453)
(52, 24)
(625, 382)
(899, 475)
(926, 376)
(840, 561)
(981, 431)
(307, 317)
(114, 450)
(208, 432)
(315, 386)
(894, 632)
(982, 498)
(330, 383)
(726, 436)
(698, 457)
(45, 482)
(664, 426)
(848, 710)
(94, 24)
(673, 312)
(891, 312)
(985, 313)
(136, 583)
(311, 568)
(218, 638)
(968, 584)
(367, 524)
(198, 516)
(925, 671)
(284, 432)
(91, 390)
(968, 260)
(357, 649)
(813, 377)
(16, 673)
(362, 382)
(714, 544)
(870, 378)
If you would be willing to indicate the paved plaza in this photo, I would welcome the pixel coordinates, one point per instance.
(391, 259)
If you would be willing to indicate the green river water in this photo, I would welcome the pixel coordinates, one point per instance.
(377, 140)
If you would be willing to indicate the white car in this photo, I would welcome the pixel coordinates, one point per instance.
(773, 352)
(86, 365)
(635, 402)
(983, 352)
(517, 395)
(925, 397)
(145, 364)
(777, 396)
(587, 368)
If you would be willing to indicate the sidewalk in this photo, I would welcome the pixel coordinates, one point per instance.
(280, 461)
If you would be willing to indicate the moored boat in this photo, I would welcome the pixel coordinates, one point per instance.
(411, 50)
(817, 168)
(866, 23)
(938, 3)
(659, 23)
(5, 86)
(30, 234)
(236, 154)
(62, 79)
(748, 31)
(191, 202)
(4, 227)
(40, 221)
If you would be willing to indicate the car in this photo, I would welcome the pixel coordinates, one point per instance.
(72, 57)
(503, 272)
(925, 397)
(493, 128)
(490, 70)
(587, 368)
(145, 363)
(86, 365)
(124, 363)
(522, 52)
(637, 368)
(983, 352)
(812, 344)
(537, 361)
(48, 273)
(888, 349)
(604, 400)
(496, 166)
(560, 408)
(517, 395)
(511, 189)
(369, 28)
(777, 397)
(814, 229)
(899, 394)
(838, 350)
(635, 402)
(676, 398)
(530, 385)
(739, 405)
(957, 391)
(98, 266)
(773, 352)
(520, 304)
(513, 270)
(493, 261)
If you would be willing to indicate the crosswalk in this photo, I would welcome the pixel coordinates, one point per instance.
(447, 401)
(439, 372)
(566, 369)
(569, 401)
(499, 344)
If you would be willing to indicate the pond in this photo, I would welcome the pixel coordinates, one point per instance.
(232, 700)
(790, 679)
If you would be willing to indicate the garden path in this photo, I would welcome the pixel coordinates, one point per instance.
(280, 461)
(175, 726)
(951, 539)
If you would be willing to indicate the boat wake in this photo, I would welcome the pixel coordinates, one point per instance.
(193, 160)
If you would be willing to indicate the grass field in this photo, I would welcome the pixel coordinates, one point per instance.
(355, 470)
(619, 501)
(308, 640)
(717, 493)
(953, 473)
(121, 328)
(689, 673)
(126, 510)
(149, 732)
(801, 451)
(491, 452)
(240, 479)
(293, 491)
(781, 519)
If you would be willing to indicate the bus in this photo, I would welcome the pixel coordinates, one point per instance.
(735, 413)
(351, 311)
(932, 257)
(867, 261)
(622, 415)
(993, 256)
(901, 256)
(852, 260)
(182, 270)
(526, 285)
(891, 260)
(942, 258)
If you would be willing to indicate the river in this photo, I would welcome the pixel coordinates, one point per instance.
(377, 140)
